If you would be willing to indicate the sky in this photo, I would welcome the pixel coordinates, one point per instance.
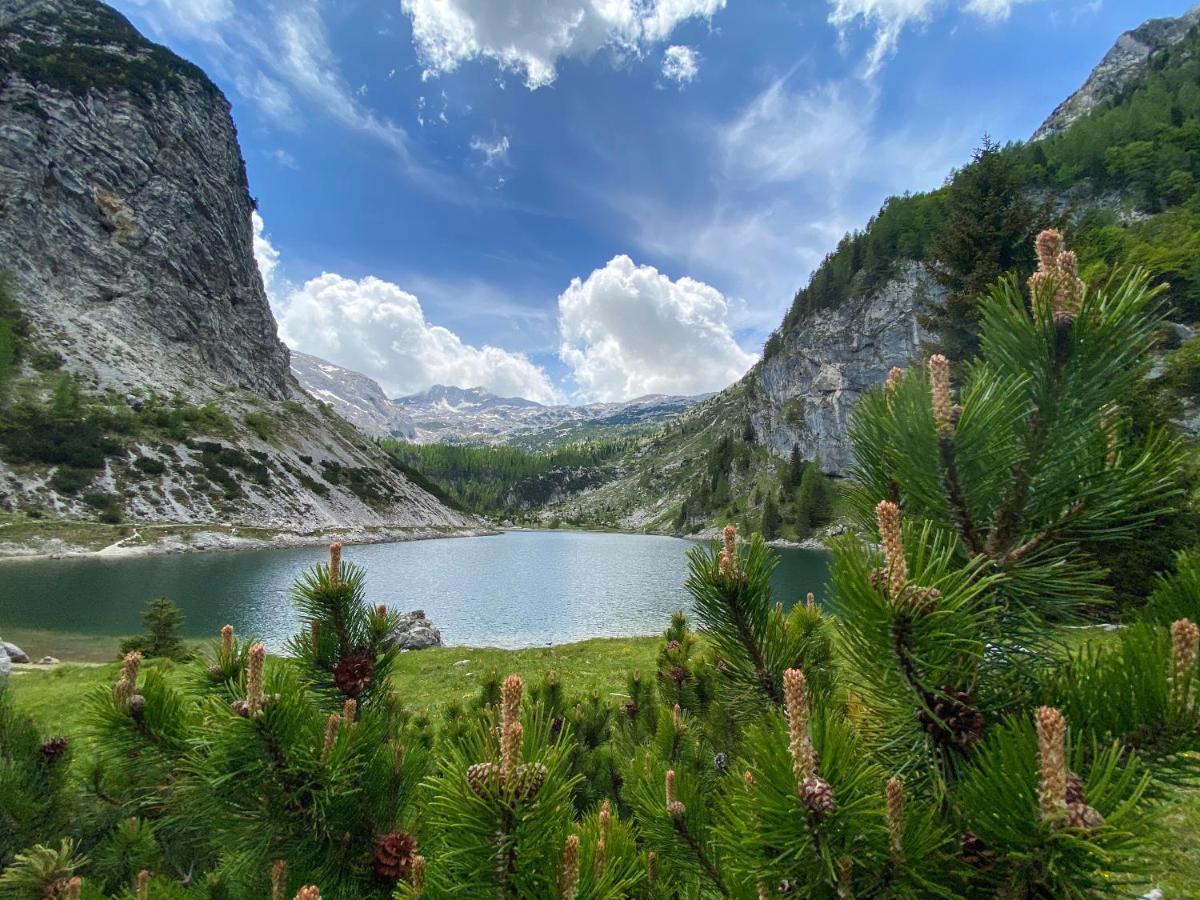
(593, 200)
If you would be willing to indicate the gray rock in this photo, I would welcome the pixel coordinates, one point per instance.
(13, 653)
(125, 220)
(353, 396)
(804, 394)
(1126, 60)
(5, 665)
(48, 661)
(415, 632)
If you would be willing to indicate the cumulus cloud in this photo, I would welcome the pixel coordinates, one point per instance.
(375, 327)
(680, 64)
(530, 36)
(629, 330)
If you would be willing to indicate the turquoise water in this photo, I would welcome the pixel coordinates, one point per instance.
(518, 589)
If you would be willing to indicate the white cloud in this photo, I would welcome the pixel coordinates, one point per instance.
(785, 135)
(197, 16)
(265, 255)
(374, 327)
(493, 153)
(629, 330)
(680, 64)
(889, 18)
(272, 98)
(284, 158)
(529, 37)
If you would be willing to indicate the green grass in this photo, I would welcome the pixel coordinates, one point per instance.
(426, 679)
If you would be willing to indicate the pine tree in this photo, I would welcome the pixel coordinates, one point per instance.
(163, 621)
(986, 234)
(795, 469)
(769, 522)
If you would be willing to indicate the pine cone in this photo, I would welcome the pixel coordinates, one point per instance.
(52, 749)
(354, 673)
(484, 779)
(215, 673)
(921, 600)
(785, 887)
(1080, 815)
(954, 722)
(394, 856)
(678, 674)
(1074, 789)
(526, 781)
(630, 708)
(817, 795)
(974, 851)
(556, 726)
(672, 646)
(721, 763)
(240, 708)
(137, 705)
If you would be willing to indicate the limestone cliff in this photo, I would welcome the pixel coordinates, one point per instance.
(804, 393)
(125, 222)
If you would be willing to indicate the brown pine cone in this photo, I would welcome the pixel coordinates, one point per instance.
(678, 674)
(393, 856)
(52, 749)
(354, 673)
(240, 708)
(1080, 815)
(629, 708)
(974, 851)
(672, 646)
(526, 781)
(1074, 788)
(817, 795)
(137, 705)
(484, 779)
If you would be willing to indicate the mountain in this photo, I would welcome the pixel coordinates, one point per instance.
(355, 397)
(141, 375)
(1121, 66)
(454, 415)
(1117, 164)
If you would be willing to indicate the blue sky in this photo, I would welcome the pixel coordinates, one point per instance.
(596, 199)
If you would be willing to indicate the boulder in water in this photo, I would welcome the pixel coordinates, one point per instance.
(415, 632)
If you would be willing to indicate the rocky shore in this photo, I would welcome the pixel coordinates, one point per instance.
(218, 538)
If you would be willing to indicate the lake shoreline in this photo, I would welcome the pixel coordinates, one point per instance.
(222, 539)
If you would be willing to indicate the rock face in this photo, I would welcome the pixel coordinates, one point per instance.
(415, 632)
(804, 393)
(125, 215)
(355, 397)
(1124, 62)
(125, 220)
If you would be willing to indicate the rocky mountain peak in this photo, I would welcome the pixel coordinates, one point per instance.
(124, 208)
(1128, 57)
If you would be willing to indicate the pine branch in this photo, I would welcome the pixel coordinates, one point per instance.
(1043, 537)
(701, 857)
(753, 648)
(954, 494)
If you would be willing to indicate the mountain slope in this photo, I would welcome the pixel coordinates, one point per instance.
(1121, 66)
(454, 415)
(1119, 164)
(355, 397)
(150, 383)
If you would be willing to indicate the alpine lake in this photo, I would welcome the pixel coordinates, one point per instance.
(517, 589)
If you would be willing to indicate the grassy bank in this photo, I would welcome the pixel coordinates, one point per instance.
(426, 679)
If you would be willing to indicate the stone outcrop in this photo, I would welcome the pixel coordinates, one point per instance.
(415, 632)
(804, 393)
(13, 653)
(124, 209)
(1126, 60)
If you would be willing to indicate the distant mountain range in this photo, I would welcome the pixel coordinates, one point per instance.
(454, 415)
